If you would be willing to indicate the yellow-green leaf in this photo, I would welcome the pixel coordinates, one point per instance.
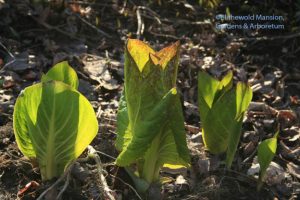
(139, 51)
(222, 108)
(53, 123)
(266, 153)
(62, 72)
(150, 122)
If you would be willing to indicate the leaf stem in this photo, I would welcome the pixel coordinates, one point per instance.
(150, 168)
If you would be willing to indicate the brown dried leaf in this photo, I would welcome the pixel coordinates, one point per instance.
(29, 186)
(294, 169)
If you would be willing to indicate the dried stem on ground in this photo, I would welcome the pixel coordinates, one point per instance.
(66, 174)
(106, 191)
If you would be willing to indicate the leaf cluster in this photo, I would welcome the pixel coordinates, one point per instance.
(222, 109)
(53, 122)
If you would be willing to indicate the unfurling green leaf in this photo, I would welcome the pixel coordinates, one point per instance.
(62, 72)
(150, 122)
(222, 108)
(53, 123)
(266, 153)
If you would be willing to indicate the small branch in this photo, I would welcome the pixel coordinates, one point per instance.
(130, 186)
(262, 107)
(7, 64)
(67, 172)
(154, 14)
(4, 47)
(123, 8)
(141, 25)
(65, 187)
(109, 156)
(195, 23)
(50, 27)
(51, 188)
(99, 112)
(94, 27)
(1, 174)
(250, 157)
(104, 186)
(166, 35)
(10, 54)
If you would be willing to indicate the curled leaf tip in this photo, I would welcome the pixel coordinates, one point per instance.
(142, 52)
(164, 56)
(139, 51)
(62, 71)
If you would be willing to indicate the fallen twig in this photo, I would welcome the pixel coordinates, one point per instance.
(92, 153)
(141, 25)
(67, 172)
(130, 186)
(109, 156)
(10, 54)
(192, 129)
(166, 36)
(94, 27)
(154, 14)
(4, 47)
(50, 27)
(64, 188)
(262, 107)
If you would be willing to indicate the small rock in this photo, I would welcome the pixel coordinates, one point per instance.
(8, 84)
(294, 169)
(208, 164)
(180, 180)
(5, 141)
(30, 76)
(253, 170)
(21, 62)
(275, 174)
(79, 172)
(97, 70)
(268, 123)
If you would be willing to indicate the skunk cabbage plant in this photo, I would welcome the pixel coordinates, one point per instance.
(266, 153)
(62, 72)
(222, 109)
(150, 122)
(53, 122)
